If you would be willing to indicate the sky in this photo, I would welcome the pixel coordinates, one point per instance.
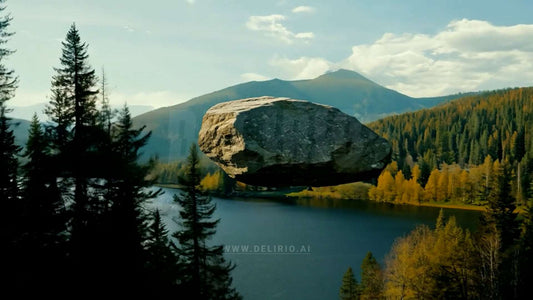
(163, 52)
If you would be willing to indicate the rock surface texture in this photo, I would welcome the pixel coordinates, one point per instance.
(271, 141)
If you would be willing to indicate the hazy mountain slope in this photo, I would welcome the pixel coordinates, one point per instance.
(26, 112)
(176, 127)
(20, 129)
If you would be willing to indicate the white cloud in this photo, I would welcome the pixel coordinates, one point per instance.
(303, 9)
(301, 68)
(191, 2)
(467, 55)
(128, 28)
(253, 77)
(272, 26)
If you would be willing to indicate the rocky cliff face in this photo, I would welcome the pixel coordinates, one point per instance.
(271, 141)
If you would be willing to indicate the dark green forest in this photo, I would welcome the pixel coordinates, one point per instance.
(75, 223)
(454, 151)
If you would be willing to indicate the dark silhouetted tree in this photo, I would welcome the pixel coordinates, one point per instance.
(349, 290)
(44, 236)
(126, 190)
(162, 261)
(9, 186)
(206, 274)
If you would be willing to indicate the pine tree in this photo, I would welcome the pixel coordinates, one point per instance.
(75, 134)
(349, 289)
(44, 219)
(9, 190)
(8, 149)
(371, 278)
(502, 205)
(107, 114)
(125, 221)
(206, 274)
(9, 185)
(8, 80)
(526, 253)
(162, 262)
(61, 113)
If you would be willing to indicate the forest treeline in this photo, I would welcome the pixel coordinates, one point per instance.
(75, 221)
(448, 262)
(456, 151)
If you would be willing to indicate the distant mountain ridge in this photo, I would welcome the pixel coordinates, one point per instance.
(174, 128)
(26, 112)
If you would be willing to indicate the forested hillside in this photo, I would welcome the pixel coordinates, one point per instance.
(458, 151)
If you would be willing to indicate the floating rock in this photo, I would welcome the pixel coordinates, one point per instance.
(271, 141)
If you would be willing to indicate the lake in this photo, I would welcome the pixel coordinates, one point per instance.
(300, 249)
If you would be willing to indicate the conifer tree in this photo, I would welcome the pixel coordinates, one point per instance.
(162, 262)
(107, 114)
(73, 111)
(371, 278)
(206, 274)
(526, 253)
(9, 185)
(125, 221)
(349, 289)
(502, 205)
(8, 150)
(43, 240)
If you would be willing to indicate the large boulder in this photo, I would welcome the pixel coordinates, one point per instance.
(271, 141)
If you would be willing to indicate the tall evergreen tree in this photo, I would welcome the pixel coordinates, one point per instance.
(43, 239)
(162, 261)
(349, 289)
(8, 149)
(107, 114)
(206, 274)
(9, 189)
(502, 205)
(73, 111)
(8, 80)
(526, 253)
(126, 225)
(500, 222)
(371, 278)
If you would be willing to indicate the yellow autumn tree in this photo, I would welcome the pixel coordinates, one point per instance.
(431, 189)
(212, 182)
(432, 264)
(442, 184)
(415, 172)
(399, 181)
(385, 190)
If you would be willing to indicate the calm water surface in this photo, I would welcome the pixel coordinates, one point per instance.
(301, 249)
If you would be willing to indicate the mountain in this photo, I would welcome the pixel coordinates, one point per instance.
(20, 129)
(26, 112)
(174, 128)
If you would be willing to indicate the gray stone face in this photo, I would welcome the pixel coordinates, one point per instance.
(270, 141)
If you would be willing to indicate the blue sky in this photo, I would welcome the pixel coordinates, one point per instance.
(163, 52)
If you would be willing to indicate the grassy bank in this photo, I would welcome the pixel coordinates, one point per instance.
(328, 194)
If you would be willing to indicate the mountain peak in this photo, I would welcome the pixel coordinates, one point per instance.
(344, 74)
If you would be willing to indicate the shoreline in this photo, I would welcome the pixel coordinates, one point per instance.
(453, 206)
(270, 195)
